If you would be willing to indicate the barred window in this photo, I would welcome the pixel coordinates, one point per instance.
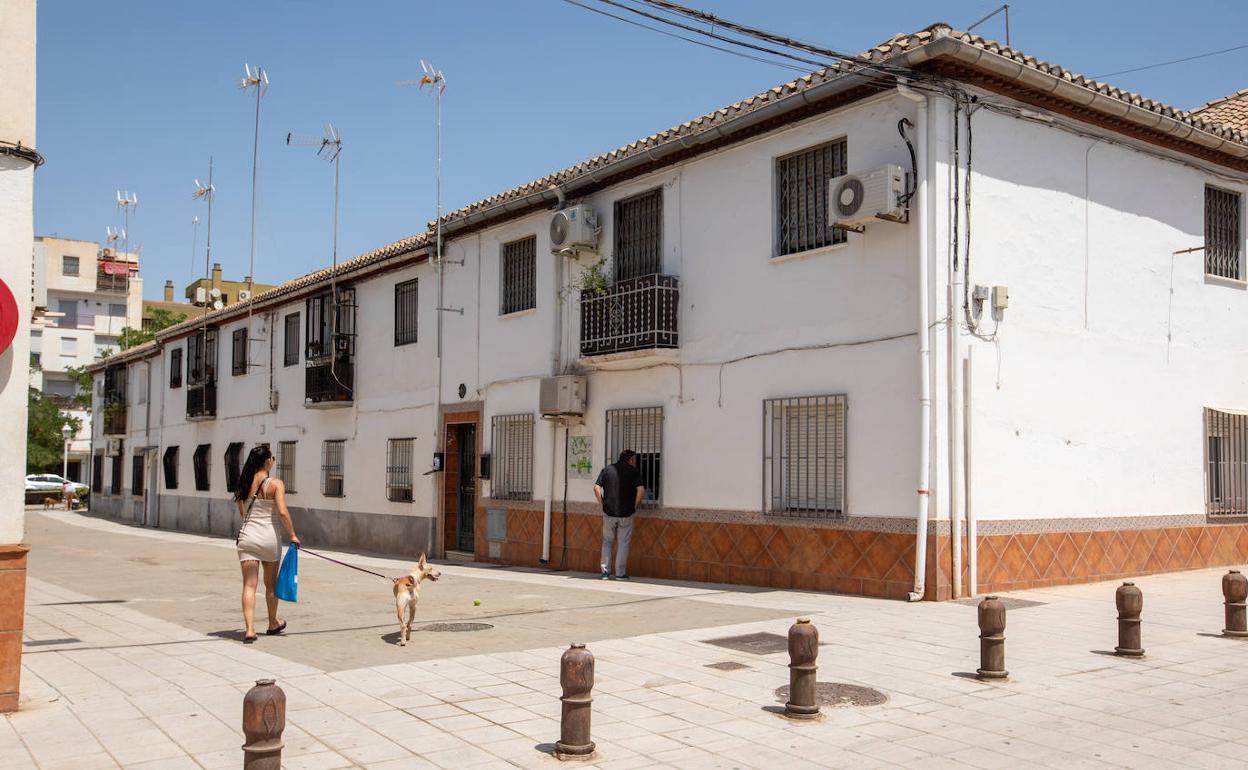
(399, 454)
(640, 430)
(804, 455)
(69, 266)
(239, 358)
(175, 368)
(201, 357)
(199, 463)
(290, 343)
(639, 235)
(233, 465)
(118, 462)
(511, 466)
(802, 197)
(171, 467)
(405, 305)
(1223, 233)
(136, 474)
(1226, 471)
(331, 468)
(285, 465)
(97, 473)
(518, 282)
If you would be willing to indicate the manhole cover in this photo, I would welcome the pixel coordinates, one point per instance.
(761, 643)
(456, 627)
(1010, 604)
(839, 695)
(727, 665)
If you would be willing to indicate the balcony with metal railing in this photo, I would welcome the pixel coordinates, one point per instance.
(113, 284)
(329, 382)
(114, 419)
(633, 318)
(201, 401)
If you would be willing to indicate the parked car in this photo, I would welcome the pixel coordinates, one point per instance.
(48, 485)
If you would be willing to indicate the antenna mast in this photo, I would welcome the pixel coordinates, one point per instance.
(259, 80)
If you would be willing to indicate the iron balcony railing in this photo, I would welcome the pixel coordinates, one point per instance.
(114, 419)
(117, 284)
(325, 385)
(201, 400)
(634, 314)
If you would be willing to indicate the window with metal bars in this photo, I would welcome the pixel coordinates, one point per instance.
(802, 197)
(1226, 463)
(330, 328)
(511, 463)
(290, 342)
(118, 463)
(639, 235)
(1223, 233)
(239, 349)
(175, 368)
(201, 357)
(406, 302)
(97, 473)
(804, 456)
(285, 465)
(199, 463)
(233, 465)
(399, 455)
(518, 281)
(641, 430)
(136, 475)
(331, 468)
(171, 467)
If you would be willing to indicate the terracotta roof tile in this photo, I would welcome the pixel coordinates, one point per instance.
(1228, 112)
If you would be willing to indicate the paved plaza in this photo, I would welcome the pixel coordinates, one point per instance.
(132, 660)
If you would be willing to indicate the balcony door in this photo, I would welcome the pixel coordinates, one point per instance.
(639, 236)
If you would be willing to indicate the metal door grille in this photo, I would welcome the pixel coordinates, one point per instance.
(804, 456)
(175, 368)
(518, 288)
(331, 468)
(286, 464)
(290, 342)
(1226, 470)
(405, 306)
(399, 454)
(802, 197)
(640, 430)
(171, 467)
(199, 461)
(1223, 237)
(136, 474)
(239, 351)
(511, 468)
(639, 235)
(233, 465)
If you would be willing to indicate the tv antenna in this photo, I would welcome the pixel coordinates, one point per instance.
(257, 79)
(206, 192)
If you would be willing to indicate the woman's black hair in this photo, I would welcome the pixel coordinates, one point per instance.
(256, 458)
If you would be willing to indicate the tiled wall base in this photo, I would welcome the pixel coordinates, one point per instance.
(12, 613)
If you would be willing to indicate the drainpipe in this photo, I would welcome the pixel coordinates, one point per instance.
(972, 524)
(550, 494)
(925, 352)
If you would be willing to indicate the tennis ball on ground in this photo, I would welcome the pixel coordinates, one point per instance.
(476, 602)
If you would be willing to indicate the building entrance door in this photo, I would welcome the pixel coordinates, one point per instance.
(466, 486)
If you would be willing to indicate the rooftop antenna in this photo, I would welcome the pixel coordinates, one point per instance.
(1006, 9)
(328, 147)
(254, 78)
(206, 192)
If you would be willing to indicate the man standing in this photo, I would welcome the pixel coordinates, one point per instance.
(619, 490)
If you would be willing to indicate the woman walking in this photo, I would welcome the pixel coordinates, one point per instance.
(261, 502)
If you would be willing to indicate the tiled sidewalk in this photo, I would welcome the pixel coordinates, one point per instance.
(132, 691)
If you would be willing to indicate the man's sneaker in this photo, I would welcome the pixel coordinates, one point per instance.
(621, 577)
(606, 575)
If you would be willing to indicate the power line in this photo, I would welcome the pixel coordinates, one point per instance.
(1173, 61)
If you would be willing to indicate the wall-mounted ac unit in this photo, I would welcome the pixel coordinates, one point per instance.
(113, 447)
(273, 399)
(244, 295)
(855, 200)
(201, 296)
(574, 229)
(562, 395)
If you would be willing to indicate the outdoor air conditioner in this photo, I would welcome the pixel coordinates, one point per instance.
(574, 229)
(562, 395)
(855, 200)
(201, 296)
(244, 295)
(273, 399)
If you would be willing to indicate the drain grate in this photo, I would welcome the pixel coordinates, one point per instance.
(1010, 604)
(839, 695)
(456, 627)
(762, 643)
(727, 665)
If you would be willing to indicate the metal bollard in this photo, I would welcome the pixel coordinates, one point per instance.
(264, 719)
(1234, 592)
(991, 639)
(1130, 602)
(803, 650)
(576, 676)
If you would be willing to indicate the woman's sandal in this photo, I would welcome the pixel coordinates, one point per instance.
(276, 631)
(249, 639)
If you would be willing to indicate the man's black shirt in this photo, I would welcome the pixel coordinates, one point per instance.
(619, 482)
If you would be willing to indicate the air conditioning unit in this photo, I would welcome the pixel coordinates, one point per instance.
(574, 229)
(113, 447)
(273, 399)
(855, 200)
(201, 296)
(562, 395)
(244, 295)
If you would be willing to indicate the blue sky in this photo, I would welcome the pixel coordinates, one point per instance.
(137, 94)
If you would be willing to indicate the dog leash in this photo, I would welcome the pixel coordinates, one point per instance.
(310, 552)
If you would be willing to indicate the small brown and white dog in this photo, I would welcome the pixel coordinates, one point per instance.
(407, 593)
(50, 502)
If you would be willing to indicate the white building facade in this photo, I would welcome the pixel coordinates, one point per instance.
(1035, 376)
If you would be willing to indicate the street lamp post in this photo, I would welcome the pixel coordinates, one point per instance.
(66, 433)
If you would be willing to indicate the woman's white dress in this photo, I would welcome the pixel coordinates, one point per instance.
(259, 539)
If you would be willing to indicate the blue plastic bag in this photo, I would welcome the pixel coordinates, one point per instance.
(287, 588)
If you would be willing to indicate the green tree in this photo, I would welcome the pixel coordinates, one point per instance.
(85, 382)
(44, 443)
(159, 319)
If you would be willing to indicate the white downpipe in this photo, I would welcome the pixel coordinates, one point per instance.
(955, 437)
(972, 525)
(922, 194)
(550, 494)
